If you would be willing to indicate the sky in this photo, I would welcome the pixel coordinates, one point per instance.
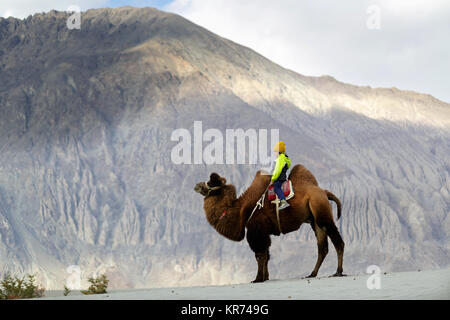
(378, 43)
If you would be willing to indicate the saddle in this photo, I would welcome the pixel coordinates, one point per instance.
(287, 189)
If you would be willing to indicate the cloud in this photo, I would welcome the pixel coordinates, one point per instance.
(409, 51)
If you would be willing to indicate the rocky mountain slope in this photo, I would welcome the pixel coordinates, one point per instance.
(86, 176)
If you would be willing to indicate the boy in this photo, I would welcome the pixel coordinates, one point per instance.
(282, 164)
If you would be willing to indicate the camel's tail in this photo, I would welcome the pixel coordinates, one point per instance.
(335, 199)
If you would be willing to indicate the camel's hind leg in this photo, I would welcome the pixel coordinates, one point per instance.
(322, 247)
(338, 243)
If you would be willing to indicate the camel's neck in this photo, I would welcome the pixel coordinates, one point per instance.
(223, 213)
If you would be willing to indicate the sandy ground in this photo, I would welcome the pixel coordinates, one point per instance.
(431, 284)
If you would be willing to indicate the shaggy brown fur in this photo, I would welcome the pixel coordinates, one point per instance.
(229, 215)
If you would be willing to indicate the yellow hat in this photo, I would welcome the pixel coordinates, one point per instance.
(280, 147)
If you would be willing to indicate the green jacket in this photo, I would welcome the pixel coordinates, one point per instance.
(282, 161)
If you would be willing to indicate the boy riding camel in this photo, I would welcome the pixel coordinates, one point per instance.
(279, 176)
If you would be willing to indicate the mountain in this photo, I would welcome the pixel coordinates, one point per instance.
(87, 177)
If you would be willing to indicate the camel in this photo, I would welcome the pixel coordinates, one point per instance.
(229, 215)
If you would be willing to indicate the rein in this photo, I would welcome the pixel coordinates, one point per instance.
(259, 204)
(211, 188)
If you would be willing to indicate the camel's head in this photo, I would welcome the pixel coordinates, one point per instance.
(214, 184)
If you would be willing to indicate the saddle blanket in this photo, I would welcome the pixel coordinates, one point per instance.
(287, 189)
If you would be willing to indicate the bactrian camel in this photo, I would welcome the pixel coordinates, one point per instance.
(229, 215)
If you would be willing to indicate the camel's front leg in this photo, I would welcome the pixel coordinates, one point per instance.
(262, 260)
(266, 267)
(259, 240)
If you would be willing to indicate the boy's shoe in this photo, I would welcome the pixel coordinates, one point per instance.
(283, 205)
